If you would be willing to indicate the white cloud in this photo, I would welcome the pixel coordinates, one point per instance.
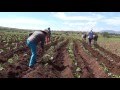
(92, 17)
(87, 21)
(64, 21)
(22, 20)
(115, 21)
(80, 25)
(23, 23)
(73, 24)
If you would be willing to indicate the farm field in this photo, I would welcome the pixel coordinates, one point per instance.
(110, 44)
(66, 56)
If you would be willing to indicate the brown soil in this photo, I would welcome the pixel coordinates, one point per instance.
(114, 56)
(59, 68)
(115, 69)
(18, 68)
(85, 70)
(94, 66)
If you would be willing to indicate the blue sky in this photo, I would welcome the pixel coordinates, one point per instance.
(75, 21)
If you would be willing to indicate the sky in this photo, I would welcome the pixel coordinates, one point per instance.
(75, 21)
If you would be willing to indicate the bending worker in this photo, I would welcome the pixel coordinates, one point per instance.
(32, 41)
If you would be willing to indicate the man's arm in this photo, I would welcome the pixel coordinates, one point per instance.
(30, 34)
(42, 44)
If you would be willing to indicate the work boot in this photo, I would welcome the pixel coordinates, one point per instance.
(30, 67)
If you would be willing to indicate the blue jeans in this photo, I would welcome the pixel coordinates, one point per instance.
(32, 46)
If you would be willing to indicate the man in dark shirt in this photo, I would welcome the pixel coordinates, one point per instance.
(32, 41)
(95, 38)
(49, 35)
(84, 35)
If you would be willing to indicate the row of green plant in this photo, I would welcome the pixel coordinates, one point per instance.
(76, 69)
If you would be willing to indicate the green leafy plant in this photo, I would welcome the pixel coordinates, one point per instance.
(10, 60)
(76, 75)
(78, 69)
(1, 50)
(1, 68)
(105, 68)
(15, 57)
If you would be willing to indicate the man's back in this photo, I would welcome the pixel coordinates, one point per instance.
(91, 34)
(37, 36)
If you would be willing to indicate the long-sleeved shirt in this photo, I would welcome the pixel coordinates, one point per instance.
(91, 35)
(84, 35)
(37, 37)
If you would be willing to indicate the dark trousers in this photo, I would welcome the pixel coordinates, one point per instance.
(90, 40)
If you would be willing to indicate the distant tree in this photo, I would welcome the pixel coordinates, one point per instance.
(106, 34)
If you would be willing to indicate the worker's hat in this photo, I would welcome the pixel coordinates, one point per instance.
(45, 31)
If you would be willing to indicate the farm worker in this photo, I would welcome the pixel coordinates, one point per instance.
(84, 36)
(32, 41)
(95, 38)
(49, 35)
(90, 37)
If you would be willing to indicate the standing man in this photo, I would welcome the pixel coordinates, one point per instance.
(48, 38)
(90, 37)
(84, 35)
(95, 37)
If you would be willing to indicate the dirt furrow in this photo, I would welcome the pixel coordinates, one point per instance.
(15, 70)
(94, 66)
(59, 68)
(109, 54)
(112, 67)
(85, 71)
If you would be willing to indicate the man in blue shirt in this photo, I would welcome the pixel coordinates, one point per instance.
(90, 37)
